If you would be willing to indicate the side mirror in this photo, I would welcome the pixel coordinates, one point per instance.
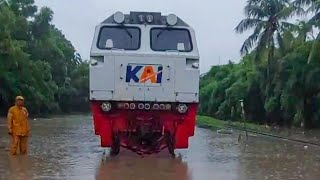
(109, 44)
(180, 47)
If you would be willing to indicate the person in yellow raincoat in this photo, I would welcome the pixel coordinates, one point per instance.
(18, 127)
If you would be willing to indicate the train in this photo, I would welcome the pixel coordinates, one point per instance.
(144, 82)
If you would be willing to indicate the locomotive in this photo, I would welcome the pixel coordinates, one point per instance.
(144, 82)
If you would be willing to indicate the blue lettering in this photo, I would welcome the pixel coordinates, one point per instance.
(132, 73)
(159, 76)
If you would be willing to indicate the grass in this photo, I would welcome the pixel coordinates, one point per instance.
(209, 122)
(295, 136)
(212, 123)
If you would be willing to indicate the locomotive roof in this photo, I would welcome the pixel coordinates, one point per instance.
(133, 18)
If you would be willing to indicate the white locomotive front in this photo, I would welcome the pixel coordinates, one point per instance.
(143, 66)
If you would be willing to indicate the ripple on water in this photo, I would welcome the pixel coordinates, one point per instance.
(65, 147)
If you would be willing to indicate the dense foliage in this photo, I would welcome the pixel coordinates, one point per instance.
(279, 76)
(38, 62)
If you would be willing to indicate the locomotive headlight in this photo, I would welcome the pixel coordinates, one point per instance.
(168, 107)
(132, 106)
(172, 19)
(141, 106)
(126, 106)
(106, 106)
(156, 106)
(118, 17)
(141, 18)
(162, 106)
(182, 108)
(147, 106)
(149, 18)
(120, 105)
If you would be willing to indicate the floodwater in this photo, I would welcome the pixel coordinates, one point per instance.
(66, 148)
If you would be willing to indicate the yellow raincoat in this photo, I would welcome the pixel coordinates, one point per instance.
(19, 128)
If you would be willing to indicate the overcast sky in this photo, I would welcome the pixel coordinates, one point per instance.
(213, 20)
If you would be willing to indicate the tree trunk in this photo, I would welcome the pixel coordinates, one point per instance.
(307, 112)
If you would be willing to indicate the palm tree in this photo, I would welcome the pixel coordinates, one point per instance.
(267, 18)
(313, 6)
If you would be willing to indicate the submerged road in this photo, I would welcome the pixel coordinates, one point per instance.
(65, 147)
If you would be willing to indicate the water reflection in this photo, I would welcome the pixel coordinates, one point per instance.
(19, 168)
(129, 167)
(66, 148)
(276, 159)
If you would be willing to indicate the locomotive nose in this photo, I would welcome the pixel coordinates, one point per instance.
(144, 79)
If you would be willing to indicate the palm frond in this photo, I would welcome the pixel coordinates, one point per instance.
(281, 43)
(314, 7)
(315, 19)
(246, 24)
(263, 42)
(252, 40)
(289, 26)
(253, 2)
(314, 49)
(255, 11)
(300, 11)
(3, 4)
(287, 12)
(304, 29)
(269, 6)
(248, 44)
(287, 1)
(288, 38)
(303, 2)
(268, 31)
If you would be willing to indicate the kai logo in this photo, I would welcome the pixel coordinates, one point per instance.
(147, 74)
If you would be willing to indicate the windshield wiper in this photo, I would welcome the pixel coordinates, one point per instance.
(128, 32)
(160, 33)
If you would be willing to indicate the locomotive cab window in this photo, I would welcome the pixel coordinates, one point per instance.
(166, 39)
(119, 37)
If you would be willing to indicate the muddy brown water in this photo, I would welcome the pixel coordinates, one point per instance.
(65, 147)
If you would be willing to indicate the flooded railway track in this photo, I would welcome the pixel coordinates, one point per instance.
(66, 148)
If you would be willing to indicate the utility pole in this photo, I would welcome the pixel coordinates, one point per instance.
(244, 118)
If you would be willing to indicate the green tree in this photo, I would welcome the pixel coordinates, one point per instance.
(268, 19)
(278, 78)
(313, 6)
(38, 62)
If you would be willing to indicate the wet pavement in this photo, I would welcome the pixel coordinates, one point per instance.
(65, 147)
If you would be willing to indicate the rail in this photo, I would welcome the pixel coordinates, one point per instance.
(274, 136)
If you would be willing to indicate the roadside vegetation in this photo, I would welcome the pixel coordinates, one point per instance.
(216, 124)
(278, 77)
(38, 62)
